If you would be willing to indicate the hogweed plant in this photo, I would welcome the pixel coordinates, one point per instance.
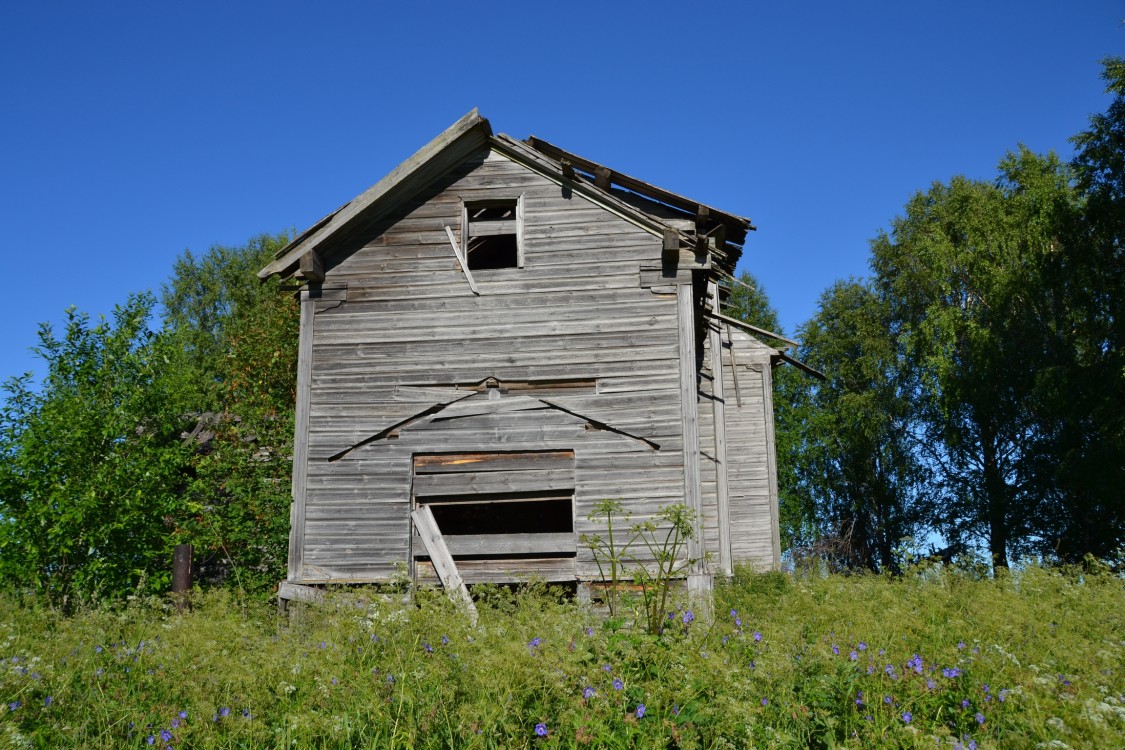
(651, 556)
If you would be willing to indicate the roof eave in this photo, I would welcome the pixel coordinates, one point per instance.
(466, 135)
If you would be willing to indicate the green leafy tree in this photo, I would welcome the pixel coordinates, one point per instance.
(91, 462)
(1081, 457)
(238, 341)
(856, 460)
(962, 274)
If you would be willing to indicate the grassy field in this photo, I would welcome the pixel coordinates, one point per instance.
(932, 659)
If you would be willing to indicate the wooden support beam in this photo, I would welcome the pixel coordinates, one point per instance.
(567, 169)
(702, 216)
(753, 329)
(719, 416)
(603, 177)
(311, 268)
(461, 260)
(734, 370)
(802, 366)
(295, 592)
(442, 561)
(698, 581)
(670, 250)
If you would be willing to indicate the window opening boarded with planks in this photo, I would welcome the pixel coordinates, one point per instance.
(504, 516)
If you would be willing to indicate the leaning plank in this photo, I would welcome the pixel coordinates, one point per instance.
(443, 562)
(461, 260)
(734, 369)
(803, 367)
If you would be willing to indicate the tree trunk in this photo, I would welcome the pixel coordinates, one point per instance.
(996, 504)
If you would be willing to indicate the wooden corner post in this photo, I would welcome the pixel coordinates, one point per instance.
(699, 581)
(719, 414)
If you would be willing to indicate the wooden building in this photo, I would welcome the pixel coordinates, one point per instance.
(505, 333)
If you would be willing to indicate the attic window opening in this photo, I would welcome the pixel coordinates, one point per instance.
(492, 234)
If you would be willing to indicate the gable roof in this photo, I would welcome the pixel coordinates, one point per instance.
(651, 208)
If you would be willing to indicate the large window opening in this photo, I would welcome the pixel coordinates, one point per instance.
(492, 234)
(503, 516)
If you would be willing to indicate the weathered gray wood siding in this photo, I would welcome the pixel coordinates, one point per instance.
(407, 327)
(750, 454)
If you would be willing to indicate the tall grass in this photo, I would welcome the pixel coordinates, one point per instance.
(933, 659)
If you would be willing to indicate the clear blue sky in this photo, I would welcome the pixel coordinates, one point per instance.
(134, 131)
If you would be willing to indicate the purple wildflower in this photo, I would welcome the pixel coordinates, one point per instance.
(965, 703)
(980, 717)
(165, 735)
(950, 672)
(618, 684)
(445, 640)
(590, 632)
(541, 729)
(183, 714)
(757, 636)
(688, 617)
(853, 656)
(640, 710)
(861, 646)
(606, 668)
(835, 649)
(765, 701)
(150, 740)
(888, 699)
(14, 705)
(907, 716)
(428, 648)
(588, 693)
(960, 645)
(534, 642)
(175, 723)
(50, 699)
(1003, 695)
(224, 711)
(930, 683)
